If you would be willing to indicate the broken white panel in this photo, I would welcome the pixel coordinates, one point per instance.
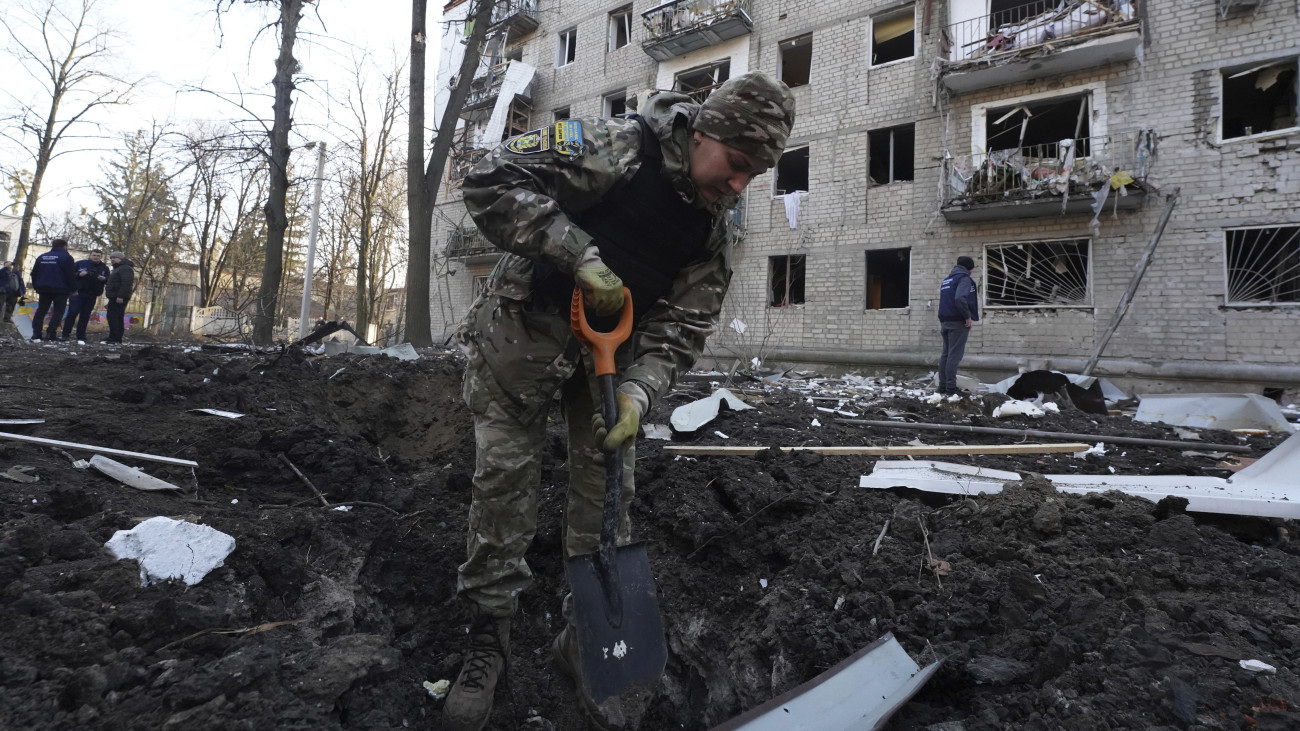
(405, 351)
(696, 414)
(172, 549)
(657, 431)
(862, 692)
(219, 412)
(130, 476)
(935, 476)
(1015, 407)
(1214, 411)
(518, 76)
(24, 324)
(738, 325)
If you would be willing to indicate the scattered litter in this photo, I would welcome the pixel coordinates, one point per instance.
(692, 416)
(1256, 666)
(404, 351)
(172, 549)
(1214, 411)
(234, 501)
(1251, 432)
(720, 434)
(20, 422)
(657, 431)
(344, 368)
(1236, 464)
(219, 412)
(738, 326)
(1187, 434)
(934, 399)
(1051, 407)
(18, 473)
(1211, 455)
(841, 412)
(1016, 407)
(81, 464)
(1098, 449)
(129, 476)
(917, 443)
(343, 508)
(438, 690)
(762, 583)
(815, 422)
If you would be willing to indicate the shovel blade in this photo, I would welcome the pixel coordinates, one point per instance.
(620, 651)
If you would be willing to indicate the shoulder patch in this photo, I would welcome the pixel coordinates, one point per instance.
(568, 138)
(539, 140)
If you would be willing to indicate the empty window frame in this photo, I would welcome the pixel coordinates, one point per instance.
(1262, 266)
(791, 171)
(889, 272)
(620, 27)
(796, 60)
(479, 285)
(892, 154)
(1259, 99)
(1037, 128)
(560, 114)
(615, 104)
(785, 280)
(566, 49)
(893, 36)
(700, 81)
(1038, 274)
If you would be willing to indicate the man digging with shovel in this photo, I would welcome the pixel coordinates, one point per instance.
(596, 204)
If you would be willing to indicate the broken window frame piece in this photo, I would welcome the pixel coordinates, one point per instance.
(566, 49)
(698, 82)
(791, 169)
(891, 23)
(561, 114)
(900, 296)
(786, 279)
(615, 103)
(1261, 266)
(1045, 274)
(795, 60)
(1243, 102)
(620, 28)
(478, 286)
(898, 142)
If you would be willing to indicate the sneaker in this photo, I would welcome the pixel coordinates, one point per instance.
(607, 716)
(36, 340)
(469, 704)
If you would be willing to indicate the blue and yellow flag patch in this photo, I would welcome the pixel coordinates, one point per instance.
(565, 137)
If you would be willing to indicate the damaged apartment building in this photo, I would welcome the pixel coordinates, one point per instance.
(1045, 139)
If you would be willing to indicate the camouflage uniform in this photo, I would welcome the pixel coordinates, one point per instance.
(520, 348)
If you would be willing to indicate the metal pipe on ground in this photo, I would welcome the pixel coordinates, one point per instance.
(1038, 434)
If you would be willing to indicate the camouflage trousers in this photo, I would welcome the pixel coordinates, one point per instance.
(507, 476)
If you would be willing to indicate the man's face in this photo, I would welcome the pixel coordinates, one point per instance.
(719, 170)
(114, 260)
(96, 257)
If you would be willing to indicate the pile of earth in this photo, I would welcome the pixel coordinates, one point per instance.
(1049, 611)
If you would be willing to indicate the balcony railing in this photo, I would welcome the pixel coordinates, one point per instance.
(519, 15)
(460, 160)
(1035, 25)
(678, 27)
(1069, 169)
(467, 241)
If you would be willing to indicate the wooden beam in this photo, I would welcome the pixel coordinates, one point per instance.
(906, 450)
(101, 450)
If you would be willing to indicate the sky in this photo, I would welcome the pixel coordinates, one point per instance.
(179, 48)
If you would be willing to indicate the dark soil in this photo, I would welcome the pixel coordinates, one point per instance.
(1055, 611)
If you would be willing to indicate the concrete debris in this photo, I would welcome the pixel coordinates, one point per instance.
(130, 476)
(692, 416)
(1214, 411)
(1256, 666)
(657, 431)
(405, 351)
(19, 473)
(1098, 449)
(438, 690)
(862, 692)
(172, 549)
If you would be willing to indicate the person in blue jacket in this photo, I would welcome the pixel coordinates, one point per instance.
(958, 309)
(54, 276)
(92, 273)
(12, 289)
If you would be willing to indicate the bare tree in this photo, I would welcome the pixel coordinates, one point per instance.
(60, 45)
(422, 187)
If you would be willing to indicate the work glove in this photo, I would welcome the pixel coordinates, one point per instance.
(632, 403)
(601, 287)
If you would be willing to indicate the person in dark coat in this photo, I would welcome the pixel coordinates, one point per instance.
(54, 277)
(958, 309)
(12, 289)
(121, 283)
(92, 275)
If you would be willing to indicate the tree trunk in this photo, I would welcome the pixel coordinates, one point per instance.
(277, 219)
(423, 184)
(43, 155)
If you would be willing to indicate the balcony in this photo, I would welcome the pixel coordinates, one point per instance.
(676, 28)
(461, 158)
(517, 17)
(1062, 178)
(1034, 40)
(466, 242)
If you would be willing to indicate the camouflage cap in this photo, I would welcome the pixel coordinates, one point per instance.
(752, 112)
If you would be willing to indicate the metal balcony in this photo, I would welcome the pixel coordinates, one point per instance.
(1057, 179)
(459, 161)
(678, 27)
(465, 242)
(517, 17)
(1037, 39)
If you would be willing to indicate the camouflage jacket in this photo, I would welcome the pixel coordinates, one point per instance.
(522, 201)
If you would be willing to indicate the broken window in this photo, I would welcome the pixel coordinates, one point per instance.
(1263, 265)
(480, 285)
(566, 51)
(620, 27)
(1038, 274)
(893, 36)
(888, 274)
(615, 104)
(891, 154)
(796, 60)
(700, 81)
(1259, 99)
(785, 280)
(792, 171)
(561, 114)
(1038, 127)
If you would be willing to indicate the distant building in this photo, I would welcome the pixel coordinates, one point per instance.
(9, 228)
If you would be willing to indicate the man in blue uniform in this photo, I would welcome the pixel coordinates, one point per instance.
(958, 308)
(54, 275)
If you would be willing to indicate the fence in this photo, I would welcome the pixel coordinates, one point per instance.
(1034, 24)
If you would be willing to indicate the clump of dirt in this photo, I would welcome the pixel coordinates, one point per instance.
(1047, 610)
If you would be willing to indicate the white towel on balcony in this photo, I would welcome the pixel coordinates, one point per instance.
(792, 206)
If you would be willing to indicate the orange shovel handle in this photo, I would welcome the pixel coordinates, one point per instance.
(602, 345)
